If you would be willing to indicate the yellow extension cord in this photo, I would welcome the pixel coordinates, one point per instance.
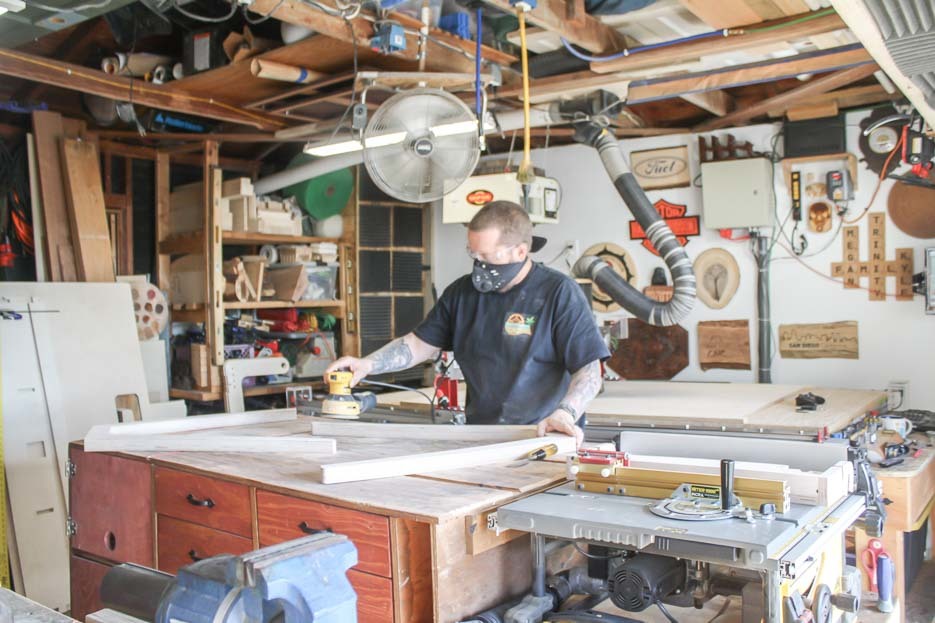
(525, 174)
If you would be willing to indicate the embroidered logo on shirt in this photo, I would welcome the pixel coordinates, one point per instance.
(519, 324)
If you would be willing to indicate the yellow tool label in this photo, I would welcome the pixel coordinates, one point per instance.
(705, 491)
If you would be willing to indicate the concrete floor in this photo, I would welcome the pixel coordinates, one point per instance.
(920, 603)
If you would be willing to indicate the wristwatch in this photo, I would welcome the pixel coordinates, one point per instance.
(570, 410)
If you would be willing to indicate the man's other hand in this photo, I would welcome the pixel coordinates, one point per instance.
(360, 367)
(561, 422)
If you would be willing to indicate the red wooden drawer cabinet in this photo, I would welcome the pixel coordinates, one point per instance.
(111, 507)
(283, 518)
(181, 543)
(86, 578)
(204, 501)
(374, 597)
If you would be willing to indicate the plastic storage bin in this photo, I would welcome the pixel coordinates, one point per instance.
(321, 282)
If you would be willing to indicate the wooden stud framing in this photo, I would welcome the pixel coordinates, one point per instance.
(213, 178)
(163, 192)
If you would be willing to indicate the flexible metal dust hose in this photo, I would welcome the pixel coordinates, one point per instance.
(657, 232)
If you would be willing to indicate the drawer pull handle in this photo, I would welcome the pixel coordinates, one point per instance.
(307, 529)
(194, 555)
(206, 503)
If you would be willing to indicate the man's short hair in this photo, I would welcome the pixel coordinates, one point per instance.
(507, 217)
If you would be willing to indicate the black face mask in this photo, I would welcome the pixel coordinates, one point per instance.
(494, 277)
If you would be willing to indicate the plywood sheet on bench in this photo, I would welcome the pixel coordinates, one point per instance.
(736, 405)
(426, 499)
(841, 407)
(697, 401)
(520, 476)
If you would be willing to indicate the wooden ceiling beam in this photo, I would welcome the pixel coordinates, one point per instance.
(687, 85)
(78, 78)
(815, 86)
(716, 102)
(565, 19)
(846, 98)
(786, 29)
(741, 75)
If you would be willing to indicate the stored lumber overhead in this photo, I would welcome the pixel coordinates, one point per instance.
(444, 52)
(813, 87)
(78, 78)
(81, 168)
(776, 31)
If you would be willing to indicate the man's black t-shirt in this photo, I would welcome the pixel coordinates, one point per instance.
(516, 348)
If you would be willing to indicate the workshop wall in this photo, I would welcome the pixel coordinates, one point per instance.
(896, 338)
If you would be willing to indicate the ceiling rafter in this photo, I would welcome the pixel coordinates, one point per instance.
(815, 86)
(781, 30)
(82, 79)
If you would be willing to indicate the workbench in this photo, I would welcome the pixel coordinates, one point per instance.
(910, 487)
(424, 548)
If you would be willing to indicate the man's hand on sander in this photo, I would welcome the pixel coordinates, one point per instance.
(561, 422)
(360, 367)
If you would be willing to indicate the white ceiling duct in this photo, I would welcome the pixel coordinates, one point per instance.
(900, 36)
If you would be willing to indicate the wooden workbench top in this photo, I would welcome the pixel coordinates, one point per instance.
(432, 497)
(736, 406)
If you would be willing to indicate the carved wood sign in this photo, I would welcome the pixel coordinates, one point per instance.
(837, 340)
(724, 344)
(661, 168)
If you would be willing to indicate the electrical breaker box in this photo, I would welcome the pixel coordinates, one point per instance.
(737, 193)
(461, 204)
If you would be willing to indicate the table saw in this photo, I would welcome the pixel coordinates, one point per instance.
(674, 519)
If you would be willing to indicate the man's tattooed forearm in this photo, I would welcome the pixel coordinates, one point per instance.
(585, 385)
(393, 357)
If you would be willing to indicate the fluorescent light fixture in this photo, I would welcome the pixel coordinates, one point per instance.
(332, 149)
(11, 5)
(451, 129)
(345, 147)
(385, 139)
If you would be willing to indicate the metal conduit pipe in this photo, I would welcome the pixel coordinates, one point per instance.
(506, 122)
(658, 233)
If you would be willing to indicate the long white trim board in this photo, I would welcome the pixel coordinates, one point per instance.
(406, 465)
(98, 440)
(442, 432)
(205, 433)
(202, 422)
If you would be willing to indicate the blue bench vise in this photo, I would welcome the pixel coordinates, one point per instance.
(300, 581)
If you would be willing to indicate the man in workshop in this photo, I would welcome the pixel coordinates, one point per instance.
(522, 333)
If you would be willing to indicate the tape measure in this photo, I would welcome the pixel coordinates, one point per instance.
(4, 547)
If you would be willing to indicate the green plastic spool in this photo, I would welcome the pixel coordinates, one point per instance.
(322, 196)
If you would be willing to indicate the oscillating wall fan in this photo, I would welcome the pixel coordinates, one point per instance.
(421, 144)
